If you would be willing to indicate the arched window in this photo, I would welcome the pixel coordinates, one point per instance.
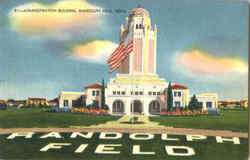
(154, 107)
(118, 107)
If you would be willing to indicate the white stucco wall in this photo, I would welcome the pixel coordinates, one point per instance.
(127, 99)
(70, 96)
(203, 98)
(90, 97)
(178, 98)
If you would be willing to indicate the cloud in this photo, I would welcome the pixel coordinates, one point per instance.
(95, 51)
(32, 23)
(199, 63)
(223, 45)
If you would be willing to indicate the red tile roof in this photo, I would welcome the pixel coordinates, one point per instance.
(228, 102)
(95, 85)
(3, 101)
(52, 102)
(179, 86)
(243, 101)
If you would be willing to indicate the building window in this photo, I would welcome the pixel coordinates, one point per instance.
(136, 93)
(154, 93)
(93, 93)
(150, 93)
(209, 104)
(118, 92)
(132, 93)
(158, 93)
(141, 93)
(175, 94)
(97, 93)
(114, 92)
(118, 107)
(136, 26)
(66, 103)
(177, 104)
(123, 93)
(179, 94)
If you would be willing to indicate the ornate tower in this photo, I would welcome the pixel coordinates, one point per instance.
(137, 86)
(143, 58)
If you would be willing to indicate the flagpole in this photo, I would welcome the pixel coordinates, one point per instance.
(132, 82)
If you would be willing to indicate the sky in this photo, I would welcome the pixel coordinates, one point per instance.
(202, 44)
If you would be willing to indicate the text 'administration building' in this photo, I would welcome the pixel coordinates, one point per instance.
(137, 89)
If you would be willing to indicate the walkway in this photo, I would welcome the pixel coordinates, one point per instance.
(123, 125)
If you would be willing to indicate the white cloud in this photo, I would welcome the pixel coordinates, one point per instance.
(96, 51)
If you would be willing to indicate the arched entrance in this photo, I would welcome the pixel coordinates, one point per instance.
(154, 107)
(136, 107)
(118, 107)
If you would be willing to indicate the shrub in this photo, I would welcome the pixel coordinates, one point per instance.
(90, 111)
(88, 106)
(3, 106)
(185, 112)
(103, 111)
(105, 107)
(213, 111)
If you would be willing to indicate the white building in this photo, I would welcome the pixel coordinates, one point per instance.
(180, 95)
(208, 101)
(137, 89)
(93, 94)
(69, 99)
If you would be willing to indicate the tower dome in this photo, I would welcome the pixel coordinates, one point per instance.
(139, 11)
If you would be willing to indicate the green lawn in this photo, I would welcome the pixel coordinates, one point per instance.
(28, 118)
(228, 120)
(23, 149)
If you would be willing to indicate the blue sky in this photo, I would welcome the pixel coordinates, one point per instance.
(42, 59)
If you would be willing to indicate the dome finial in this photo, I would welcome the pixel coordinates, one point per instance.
(139, 11)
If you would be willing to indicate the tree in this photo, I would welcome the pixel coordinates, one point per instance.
(103, 95)
(54, 100)
(40, 105)
(194, 104)
(169, 97)
(105, 107)
(11, 100)
(88, 106)
(80, 102)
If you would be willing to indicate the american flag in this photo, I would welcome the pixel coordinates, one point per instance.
(115, 54)
(118, 56)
